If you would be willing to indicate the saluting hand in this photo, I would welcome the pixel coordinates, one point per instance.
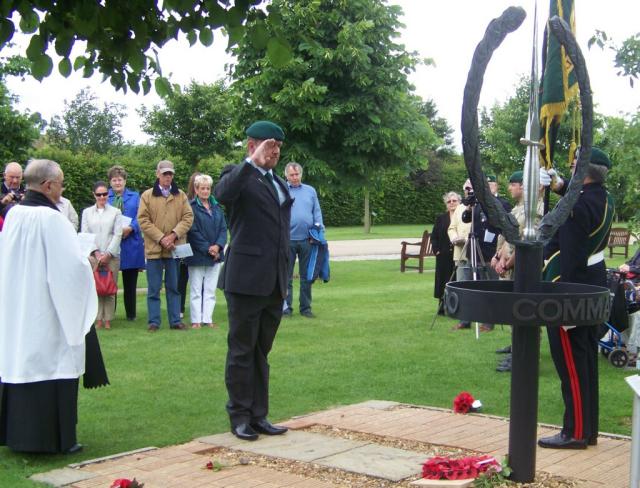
(266, 153)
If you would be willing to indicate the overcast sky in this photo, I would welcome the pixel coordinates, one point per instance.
(446, 31)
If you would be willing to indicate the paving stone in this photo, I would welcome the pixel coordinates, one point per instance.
(299, 446)
(380, 461)
(377, 404)
(62, 476)
(113, 456)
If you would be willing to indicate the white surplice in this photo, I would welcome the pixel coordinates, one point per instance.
(48, 297)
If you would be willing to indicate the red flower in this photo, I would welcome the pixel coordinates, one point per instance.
(121, 483)
(209, 465)
(440, 468)
(125, 483)
(462, 403)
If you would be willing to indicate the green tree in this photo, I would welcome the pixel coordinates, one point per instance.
(620, 138)
(193, 123)
(121, 39)
(501, 128)
(343, 99)
(627, 54)
(84, 126)
(440, 126)
(504, 124)
(19, 130)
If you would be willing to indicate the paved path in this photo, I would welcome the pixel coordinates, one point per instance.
(367, 249)
(605, 465)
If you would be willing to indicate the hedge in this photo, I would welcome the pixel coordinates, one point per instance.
(398, 199)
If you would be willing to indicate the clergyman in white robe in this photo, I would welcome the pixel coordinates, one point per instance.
(49, 303)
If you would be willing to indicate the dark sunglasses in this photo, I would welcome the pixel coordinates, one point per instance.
(101, 194)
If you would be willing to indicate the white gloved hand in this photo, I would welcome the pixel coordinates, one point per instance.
(545, 176)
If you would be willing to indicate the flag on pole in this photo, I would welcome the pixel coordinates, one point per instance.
(559, 84)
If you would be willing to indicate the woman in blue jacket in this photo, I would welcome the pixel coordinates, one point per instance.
(131, 246)
(207, 236)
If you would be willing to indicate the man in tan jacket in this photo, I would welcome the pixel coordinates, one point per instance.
(165, 217)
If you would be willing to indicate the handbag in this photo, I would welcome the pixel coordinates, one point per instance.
(105, 284)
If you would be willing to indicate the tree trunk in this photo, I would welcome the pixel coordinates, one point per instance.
(367, 213)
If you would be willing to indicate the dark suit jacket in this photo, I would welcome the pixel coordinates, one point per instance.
(258, 256)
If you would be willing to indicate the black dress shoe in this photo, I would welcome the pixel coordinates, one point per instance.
(560, 441)
(265, 427)
(76, 448)
(504, 350)
(593, 440)
(505, 365)
(244, 432)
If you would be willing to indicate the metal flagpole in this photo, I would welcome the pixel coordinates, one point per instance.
(525, 341)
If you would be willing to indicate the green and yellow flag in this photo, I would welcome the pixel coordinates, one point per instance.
(558, 84)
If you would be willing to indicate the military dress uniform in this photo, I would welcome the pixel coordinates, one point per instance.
(576, 254)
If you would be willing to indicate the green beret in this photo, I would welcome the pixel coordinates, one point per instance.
(263, 129)
(516, 177)
(599, 157)
(491, 178)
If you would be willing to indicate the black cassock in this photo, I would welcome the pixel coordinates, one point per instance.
(42, 416)
(443, 249)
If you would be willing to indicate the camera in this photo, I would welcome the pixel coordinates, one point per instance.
(470, 200)
(17, 195)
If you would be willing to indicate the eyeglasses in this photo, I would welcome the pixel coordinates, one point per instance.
(101, 194)
(453, 201)
(467, 188)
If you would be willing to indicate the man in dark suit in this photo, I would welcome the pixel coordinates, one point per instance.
(255, 275)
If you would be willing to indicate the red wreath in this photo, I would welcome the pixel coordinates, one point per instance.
(462, 403)
(443, 468)
(125, 483)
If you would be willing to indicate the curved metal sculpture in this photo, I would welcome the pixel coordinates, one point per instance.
(527, 302)
(496, 32)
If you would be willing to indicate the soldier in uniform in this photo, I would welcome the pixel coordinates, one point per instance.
(576, 254)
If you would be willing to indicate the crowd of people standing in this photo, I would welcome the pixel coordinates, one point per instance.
(155, 231)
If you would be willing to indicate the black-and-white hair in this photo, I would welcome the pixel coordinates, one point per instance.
(40, 170)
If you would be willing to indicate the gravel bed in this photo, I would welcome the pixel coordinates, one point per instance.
(229, 457)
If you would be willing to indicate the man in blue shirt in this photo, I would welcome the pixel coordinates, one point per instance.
(305, 214)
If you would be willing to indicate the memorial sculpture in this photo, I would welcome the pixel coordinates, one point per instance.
(527, 303)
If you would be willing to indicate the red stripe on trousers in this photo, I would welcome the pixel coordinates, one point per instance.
(575, 383)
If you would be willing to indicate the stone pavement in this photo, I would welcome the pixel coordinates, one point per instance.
(605, 465)
(365, 249)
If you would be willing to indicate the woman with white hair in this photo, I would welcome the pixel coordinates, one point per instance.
(207, 236)
(442, 247)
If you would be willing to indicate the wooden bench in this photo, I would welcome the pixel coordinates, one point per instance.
(424, 250)
(619, 237)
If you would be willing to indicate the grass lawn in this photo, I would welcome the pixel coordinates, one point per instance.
(372, 340)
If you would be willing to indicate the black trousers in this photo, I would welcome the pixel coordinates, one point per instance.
(575, 355)
(129, 285)
(39, 417)
(253, 323)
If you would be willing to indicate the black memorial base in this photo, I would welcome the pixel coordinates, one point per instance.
(526, 303)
